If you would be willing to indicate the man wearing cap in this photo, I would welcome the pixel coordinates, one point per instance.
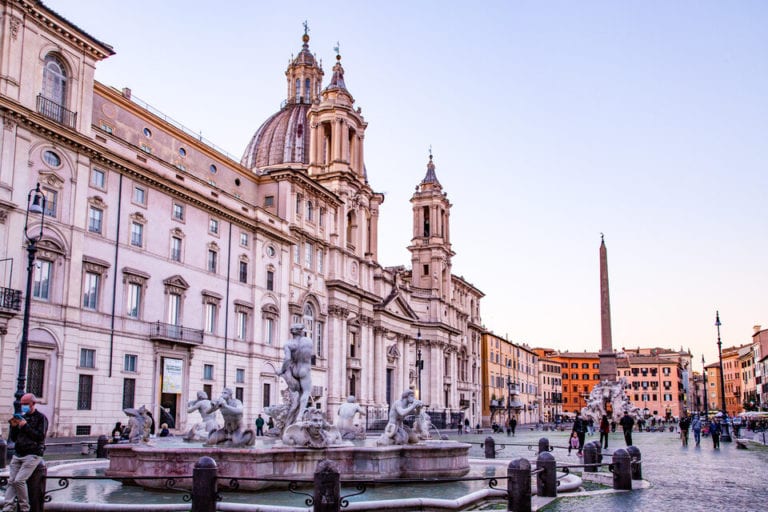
(28, 433)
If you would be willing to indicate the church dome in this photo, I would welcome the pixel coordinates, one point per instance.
(283, 138)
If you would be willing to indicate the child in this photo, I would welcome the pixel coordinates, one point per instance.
(573, 443)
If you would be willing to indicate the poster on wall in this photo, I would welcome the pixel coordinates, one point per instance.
(172, 375)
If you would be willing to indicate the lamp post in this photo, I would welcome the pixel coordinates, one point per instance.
(706, 400)
(419, 362)
(509, 395)
(36, 206)
(725, 436)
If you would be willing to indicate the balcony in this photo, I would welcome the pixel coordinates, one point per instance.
(10, 300)
(170, 333)
(56, 112)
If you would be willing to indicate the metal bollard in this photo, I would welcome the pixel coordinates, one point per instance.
(590, 457)
(490, 448)
(204, 487)
(101, 447)
(327, 495)
(543, 445)
(36, 487)
(3, 453)
(636, 460)
(546, 481)
(519, 486)
(622, 472)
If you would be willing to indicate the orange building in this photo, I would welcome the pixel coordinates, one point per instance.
(580, 371)
(654, 384)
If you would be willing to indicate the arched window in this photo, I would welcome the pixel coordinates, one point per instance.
(314, 328)
(306, 90)
(298, 89)
(54, 80)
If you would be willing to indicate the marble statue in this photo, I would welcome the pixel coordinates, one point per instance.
(421, 424)
(348, 420)
(613, 393)
(297, 372)
(200, 431)
(395, 432)
(314, 432)
(232, 434)
(139, 423)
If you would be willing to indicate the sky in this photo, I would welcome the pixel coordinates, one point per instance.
(550, 123)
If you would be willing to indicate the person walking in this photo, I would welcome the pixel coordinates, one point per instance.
(696, 427)
(714, 431)
(259, 425)
(580, 428)
(605, 427)
(28, 431)
(512, 425)
(685, 424)
(627, 423)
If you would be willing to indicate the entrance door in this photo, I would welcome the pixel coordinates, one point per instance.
(170, 390)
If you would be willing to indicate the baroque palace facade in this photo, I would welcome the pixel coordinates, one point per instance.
(167, 267)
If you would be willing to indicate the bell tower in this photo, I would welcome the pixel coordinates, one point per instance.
(431, 241)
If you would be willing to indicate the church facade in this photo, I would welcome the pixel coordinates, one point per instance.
(166, 267)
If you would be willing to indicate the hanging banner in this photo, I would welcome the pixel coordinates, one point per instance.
(172, 375)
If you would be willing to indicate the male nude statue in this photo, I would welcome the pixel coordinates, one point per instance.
(395, 432)
(232, 411)
(297, 371)
(208, 424)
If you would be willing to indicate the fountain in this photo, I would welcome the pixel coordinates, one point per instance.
(305, 439)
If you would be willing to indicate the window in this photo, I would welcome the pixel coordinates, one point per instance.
(242, 325)
(212, 258)
(239, 393)
(213, 226)
(95, 216)
(91, 290)
(321, 217)
(84, 392)
(269, 201)
(310, 211)
(178, 211)
(271, 251)
(146, 148)
(213, 169)
(319, 260)
(182, 152)
(55, 82)
(87, 358)
(139, 196)
(585, 376)
(208, 372)
(174, 308)
(269, 331)
(137, 234)
(42, 280)
(298, 204)
(98, 178)
(51, 158)
(244, 239)
(175, 248)
(36, 377)
(296, 254)
(308, 250)
(270, 280)
(129, 363)
(107, 128)
(147, 133)
(133, 307)
(243, 271)
(210, 318)
(240, 375)
(574, 365)
(319, 338)
(129, 393)
(51, 201)
(266, 393)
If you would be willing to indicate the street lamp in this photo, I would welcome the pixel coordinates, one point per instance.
(419, 361)
(36, 206)
(509, 395)
(706, 400)
(725, 436)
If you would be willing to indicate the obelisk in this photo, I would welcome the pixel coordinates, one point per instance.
(607, 356)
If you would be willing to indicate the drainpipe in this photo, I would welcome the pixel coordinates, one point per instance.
(114, 277)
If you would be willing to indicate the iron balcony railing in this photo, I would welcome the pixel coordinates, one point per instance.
(175, 333)
(58, 113)
(10, 299)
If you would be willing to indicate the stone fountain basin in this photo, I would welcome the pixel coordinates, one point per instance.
(427, 459)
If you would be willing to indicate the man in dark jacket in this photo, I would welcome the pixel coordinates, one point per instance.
(580, 427)
(28, 433)
(627, 423)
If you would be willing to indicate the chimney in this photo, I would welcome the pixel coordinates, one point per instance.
(757, 328)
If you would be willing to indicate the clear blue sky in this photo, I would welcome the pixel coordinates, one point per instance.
(550, 123)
